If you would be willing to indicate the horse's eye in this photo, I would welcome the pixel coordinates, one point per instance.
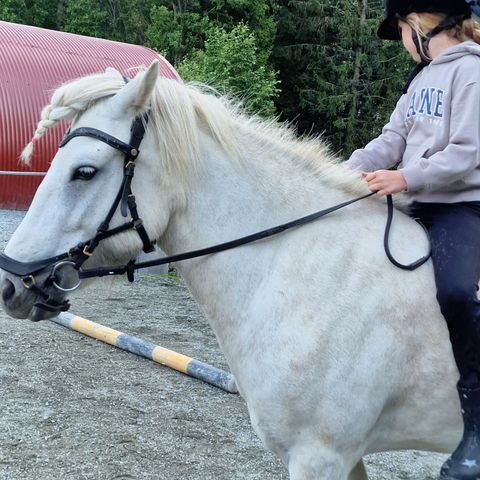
(84, 173)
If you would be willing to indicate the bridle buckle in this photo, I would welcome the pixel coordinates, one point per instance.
(29, 282)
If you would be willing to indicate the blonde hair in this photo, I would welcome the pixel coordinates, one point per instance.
(422, 23)
(66, 104)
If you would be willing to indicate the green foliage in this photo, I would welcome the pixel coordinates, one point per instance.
(8, 10)
(337, 77)
(42, 13)
(164, 34)
(30, 12)
(176, 33)
(230, 62)
(127, 20)
(178, 28)
(84, 17)
(256, 14)
(224, 43)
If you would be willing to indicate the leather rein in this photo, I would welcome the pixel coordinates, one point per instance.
(78, 255)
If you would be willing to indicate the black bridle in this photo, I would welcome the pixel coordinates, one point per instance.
(77, 256)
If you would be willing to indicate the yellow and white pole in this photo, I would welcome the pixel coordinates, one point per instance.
(164, 356)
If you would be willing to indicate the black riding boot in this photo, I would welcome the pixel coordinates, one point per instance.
(464, 464)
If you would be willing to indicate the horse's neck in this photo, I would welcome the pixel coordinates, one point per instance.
(228, 201)
(231, 199)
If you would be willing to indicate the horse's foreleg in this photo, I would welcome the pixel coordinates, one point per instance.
(359, 472)
(318, 464)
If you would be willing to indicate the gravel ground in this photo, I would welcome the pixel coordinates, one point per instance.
(74, 408)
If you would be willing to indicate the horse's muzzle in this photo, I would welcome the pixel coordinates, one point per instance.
(37, 300)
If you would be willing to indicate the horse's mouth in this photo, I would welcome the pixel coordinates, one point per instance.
(36, 314)
(21, 303)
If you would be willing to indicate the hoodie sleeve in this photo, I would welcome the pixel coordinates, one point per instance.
(386, 150)
(462, 154)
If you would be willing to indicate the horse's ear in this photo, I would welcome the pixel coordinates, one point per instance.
(113, 72)
(136, 93)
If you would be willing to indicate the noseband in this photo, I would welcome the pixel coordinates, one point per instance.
(78, 255)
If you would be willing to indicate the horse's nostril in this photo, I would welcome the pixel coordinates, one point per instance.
(8, 290)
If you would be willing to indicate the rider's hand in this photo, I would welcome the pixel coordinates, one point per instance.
(385, 182)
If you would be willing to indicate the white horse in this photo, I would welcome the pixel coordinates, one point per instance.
(337, 352)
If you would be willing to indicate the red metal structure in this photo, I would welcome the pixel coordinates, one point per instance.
(35, 61)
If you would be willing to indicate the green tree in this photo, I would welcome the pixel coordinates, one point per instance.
(42, 13)
(337, 77)
(176, 28)
(9, 9)
(257, 14)
(127, 20)
(30, 12)
(231, 63)
(175, 32)
(84, 17)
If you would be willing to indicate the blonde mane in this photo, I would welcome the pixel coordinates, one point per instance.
(179, 112)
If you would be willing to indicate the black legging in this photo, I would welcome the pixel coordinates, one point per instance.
(454, 231)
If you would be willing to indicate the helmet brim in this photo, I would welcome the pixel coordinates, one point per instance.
(388, 29)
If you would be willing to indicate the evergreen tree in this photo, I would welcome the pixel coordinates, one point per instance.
(336, 77)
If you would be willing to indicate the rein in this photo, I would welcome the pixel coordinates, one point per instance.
(132, 266)
(221, 247)
(125, 199)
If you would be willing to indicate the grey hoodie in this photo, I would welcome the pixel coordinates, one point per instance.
(434, 131)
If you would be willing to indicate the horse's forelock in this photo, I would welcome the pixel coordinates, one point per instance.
(79, 94)
(71, 99)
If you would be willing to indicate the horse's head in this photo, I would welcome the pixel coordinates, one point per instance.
(88, 178)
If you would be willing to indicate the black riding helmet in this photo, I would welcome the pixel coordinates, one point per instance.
(398, 9)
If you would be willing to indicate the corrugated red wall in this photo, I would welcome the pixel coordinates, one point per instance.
(33, 62)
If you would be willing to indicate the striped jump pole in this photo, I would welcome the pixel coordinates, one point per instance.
(169, 358)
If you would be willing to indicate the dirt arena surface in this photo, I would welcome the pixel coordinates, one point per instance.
(74, 408)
